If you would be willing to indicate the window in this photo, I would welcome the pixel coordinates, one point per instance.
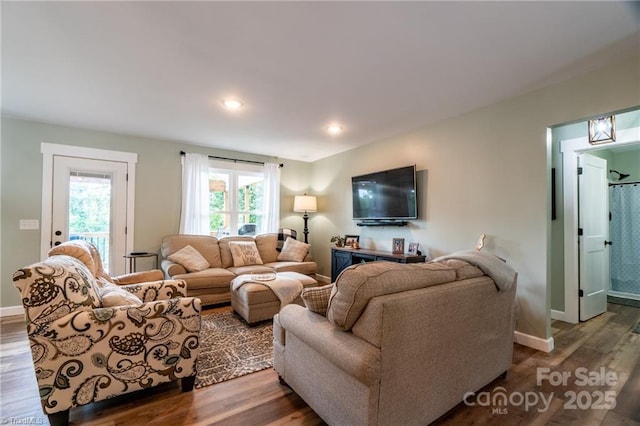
(235, 199)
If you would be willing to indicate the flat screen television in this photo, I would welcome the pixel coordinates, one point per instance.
(385, 195)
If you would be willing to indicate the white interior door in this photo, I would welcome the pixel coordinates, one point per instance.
(593, 221)
(89, 202)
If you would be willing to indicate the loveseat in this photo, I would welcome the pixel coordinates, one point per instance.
(91, 339)
(401, 344)
(210, 280)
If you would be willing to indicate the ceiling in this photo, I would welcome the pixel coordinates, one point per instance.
(161, 69)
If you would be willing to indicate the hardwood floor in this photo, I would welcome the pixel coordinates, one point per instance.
(605, 342)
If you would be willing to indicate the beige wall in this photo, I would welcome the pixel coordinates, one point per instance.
(158, 188)
(486, 171)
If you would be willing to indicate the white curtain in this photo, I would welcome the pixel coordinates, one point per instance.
(194, 217)
(271, 199)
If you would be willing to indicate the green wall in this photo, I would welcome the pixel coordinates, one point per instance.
(158, 188)
(487, 171)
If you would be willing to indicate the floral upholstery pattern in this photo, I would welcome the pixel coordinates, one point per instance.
(83, 352)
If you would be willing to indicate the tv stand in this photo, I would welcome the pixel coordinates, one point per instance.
(343, 257)
(383, 223)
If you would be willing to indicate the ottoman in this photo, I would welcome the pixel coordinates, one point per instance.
(256, 302)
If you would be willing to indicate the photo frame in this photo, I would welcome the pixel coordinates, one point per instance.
(349, 240)
(398, 246)
(413, 248)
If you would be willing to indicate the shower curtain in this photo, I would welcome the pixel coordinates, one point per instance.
(624, 200)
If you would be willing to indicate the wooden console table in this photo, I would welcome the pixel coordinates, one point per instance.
(342, 257)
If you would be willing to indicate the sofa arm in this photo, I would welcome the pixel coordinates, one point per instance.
(158, 290)
(139, 277)
(172, 269)
(352, 354)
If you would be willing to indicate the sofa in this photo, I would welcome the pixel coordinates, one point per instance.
(211, 280)
(92, 339)
(401, 344)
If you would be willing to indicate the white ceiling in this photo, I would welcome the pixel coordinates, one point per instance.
(160, 69)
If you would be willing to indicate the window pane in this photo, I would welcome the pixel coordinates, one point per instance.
(219, 203)
(90, 211)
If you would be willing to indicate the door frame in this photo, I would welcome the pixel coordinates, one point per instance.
(48, 151)
(570, 149)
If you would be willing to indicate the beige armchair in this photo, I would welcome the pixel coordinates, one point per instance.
(85, 350)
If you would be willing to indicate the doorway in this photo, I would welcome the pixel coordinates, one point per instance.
(87, 195)
(570, 150)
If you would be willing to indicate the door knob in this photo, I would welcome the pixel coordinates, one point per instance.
(608, 243)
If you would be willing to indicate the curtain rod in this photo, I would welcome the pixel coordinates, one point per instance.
(624, 183)
(235, 160)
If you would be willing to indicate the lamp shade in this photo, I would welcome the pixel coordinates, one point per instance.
(305, 203)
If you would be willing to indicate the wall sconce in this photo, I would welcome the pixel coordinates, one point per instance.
(602, 130)
(305, 203)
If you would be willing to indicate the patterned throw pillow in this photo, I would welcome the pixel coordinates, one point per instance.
(245, 253)
(113, 296)
(317, 298)
(283, 234)
(293, 251)
(190, 258)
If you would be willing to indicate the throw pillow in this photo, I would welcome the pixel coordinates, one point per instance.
(113, 296)
(316, 299)
(293, 250)
(245, 253)
(283, 234)
(190, 258)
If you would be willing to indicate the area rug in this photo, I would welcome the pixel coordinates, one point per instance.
(229, 348)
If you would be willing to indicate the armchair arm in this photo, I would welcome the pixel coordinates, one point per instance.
(158, 290)
(93, 354)
(139, 277)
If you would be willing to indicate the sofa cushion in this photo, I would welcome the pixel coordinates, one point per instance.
(209, 278)
(293, 250)
(316, 299)
(357, 284)
(206, 245)
(113, 296)
(267, 244)
(283, 234)
(244, 253)
(190, 258)
(307, 268)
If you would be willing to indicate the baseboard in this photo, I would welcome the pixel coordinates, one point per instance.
(323, 279)
(544, 345)
(558, 315)
(11, 311)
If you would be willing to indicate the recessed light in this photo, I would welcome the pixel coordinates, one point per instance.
(334, 129)
(232, 104)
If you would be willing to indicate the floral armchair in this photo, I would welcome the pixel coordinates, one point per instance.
(85, 349)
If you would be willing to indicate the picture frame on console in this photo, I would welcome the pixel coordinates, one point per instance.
(351, 240)
(398, 246)
(413, 248)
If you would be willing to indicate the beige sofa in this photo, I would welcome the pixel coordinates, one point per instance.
(212, 285)
(402, 343)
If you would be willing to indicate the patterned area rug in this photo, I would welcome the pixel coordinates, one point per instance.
(229, 348)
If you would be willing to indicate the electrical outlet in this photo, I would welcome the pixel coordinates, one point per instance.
(29, 224)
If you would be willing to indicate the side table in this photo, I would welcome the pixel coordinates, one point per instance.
(135, 255)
